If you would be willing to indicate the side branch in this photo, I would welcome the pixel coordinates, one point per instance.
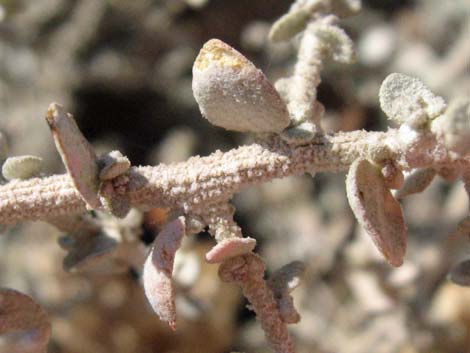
(200, 181)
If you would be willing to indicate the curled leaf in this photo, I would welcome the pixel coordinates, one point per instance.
(415, 182)
(460, 273)
(158, 269)
(377, 210)
(22, 167)
(232, 93)
(77, 154)
(336, 41)
(407, 100)
(24, 325)
(230, 247)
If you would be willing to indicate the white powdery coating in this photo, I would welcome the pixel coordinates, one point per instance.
(230, 247)
(232, 93)
(77, 154)
(18, 312)
(21, 167)
(377, 210)
(406, 99)
(158, 269)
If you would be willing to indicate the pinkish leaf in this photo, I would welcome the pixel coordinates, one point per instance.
(23, 323)
(415, 182)
(230, 247)
(158, 269)
(232, 93)
(377, 210)
(77, 154)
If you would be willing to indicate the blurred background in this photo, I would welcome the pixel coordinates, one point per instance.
(123, 68)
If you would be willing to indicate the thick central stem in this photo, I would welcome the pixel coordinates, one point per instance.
(201, 181)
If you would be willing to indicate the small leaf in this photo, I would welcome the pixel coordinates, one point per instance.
(158, 270)
(22, 167)
(376, 210)
(230, 247)
(77, 154)
(301, 134)
(112, 165)
(416, 182)
(19, 314)
(407, 100)
(460, 273)
(232, 93)
(289, 25)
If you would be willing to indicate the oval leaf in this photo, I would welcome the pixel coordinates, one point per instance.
(77, 154)
(232, 93)
(377, 210)
(158, 270)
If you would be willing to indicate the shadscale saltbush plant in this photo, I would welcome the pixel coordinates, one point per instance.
(383, 168)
